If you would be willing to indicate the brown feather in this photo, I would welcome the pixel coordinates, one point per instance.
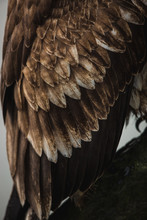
(71, 88)
(32, 179)
(83, 77)
(73, 52)
(72, 127)
(141, 5)
(46, 194)
(18, 31)
(35, 132)
(45, 60)
(103, 96)
(42, 99)
(62, 141)
(8, 72)
(97, 104)
(18, 96)
(48, 139)
(57, 96)
(30, 76)
(42, 30)
(44, 73)
(65, 64)
(12, 142)
(109, 90)
(130, 13)
(80, 119)
(29, 93)
(23, 122)
(90, 113)
(19, 177)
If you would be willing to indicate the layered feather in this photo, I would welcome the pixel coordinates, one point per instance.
(65, 63)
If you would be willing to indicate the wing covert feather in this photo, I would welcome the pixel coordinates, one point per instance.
(72, 68)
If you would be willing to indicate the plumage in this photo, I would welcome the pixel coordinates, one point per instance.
(48, 139)
(57, 96)
(35, 132)
(83, 77)
(30, 76)
(18, 96)
(47, 78)
(45, 187)
(130, 13)
(62, 140)
(71, 88)
(42, 97)
(12, 146)
(65, 67)
(19, 178)
(32, 181)
(29, 93)
(67, 75)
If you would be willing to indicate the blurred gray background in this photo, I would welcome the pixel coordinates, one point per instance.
(5, 179)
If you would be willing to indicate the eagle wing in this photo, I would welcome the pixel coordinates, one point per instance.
(65, 87)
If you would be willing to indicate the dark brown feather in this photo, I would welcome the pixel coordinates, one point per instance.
(32, 180)
(19, 177)
(45, 185)
(66, 67)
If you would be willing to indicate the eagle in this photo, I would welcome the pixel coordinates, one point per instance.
(72, 71)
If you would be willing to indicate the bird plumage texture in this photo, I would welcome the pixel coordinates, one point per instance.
(67, 74)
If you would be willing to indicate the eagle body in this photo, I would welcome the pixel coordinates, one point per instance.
(70, 69)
